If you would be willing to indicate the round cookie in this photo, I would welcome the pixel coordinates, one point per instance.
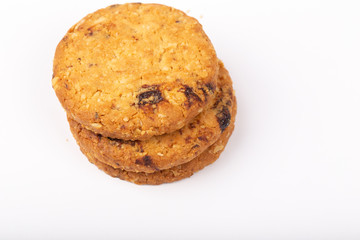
(132, 71)
(173, 174)
(168, 150)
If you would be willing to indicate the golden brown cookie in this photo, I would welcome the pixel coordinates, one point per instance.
(168, 150)
(132, 71)
(173, 174)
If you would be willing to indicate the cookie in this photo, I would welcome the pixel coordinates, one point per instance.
(168, 150)
(133, 71)
(173, 174)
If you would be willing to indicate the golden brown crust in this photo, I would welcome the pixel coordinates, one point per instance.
(135, 70)
(173, 174)
(168, 150)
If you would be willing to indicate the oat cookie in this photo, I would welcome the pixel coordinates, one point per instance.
(132, 71)
(168, 150)
(175, 173)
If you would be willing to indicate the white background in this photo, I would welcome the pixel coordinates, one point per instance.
(290, 171)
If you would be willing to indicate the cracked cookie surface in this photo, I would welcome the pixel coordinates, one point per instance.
(173, 174)
(133, 71)
(168, 150)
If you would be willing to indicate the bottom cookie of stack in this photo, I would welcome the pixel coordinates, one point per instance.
(173, 174)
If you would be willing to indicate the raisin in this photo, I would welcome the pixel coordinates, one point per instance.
(223, 117)
(147, 162)
(190, 95)
(151, 95)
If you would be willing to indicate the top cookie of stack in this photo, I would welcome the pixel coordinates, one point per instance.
(133, 71)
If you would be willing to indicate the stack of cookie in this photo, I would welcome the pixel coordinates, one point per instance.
(146, 97)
